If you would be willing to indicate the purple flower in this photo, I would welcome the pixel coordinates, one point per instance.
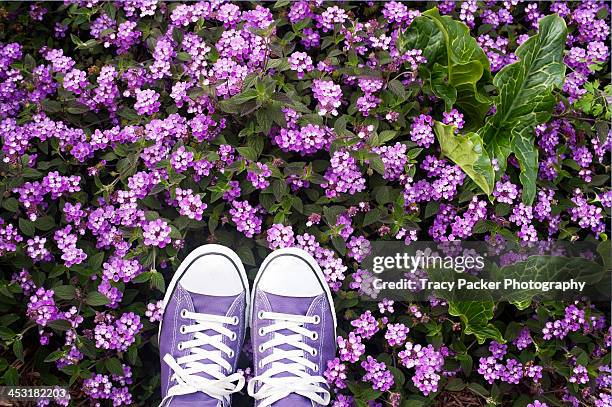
(377, 374)
(245, 217)
(351, 349)
(394, 158)
(366, 325)
(343, 176)
(336, 373)
(156, 233)
(329, 96)
(301, 63)
(147, 102)
(41, 307)
(579, 375)
(280, 236)
(421, 131)
(189, 205)
(259, 177)
(154, 311)
(358, 248)
(396, 334)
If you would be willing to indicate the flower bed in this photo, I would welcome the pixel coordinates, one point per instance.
(133, 131)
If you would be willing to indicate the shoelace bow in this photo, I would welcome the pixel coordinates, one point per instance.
(186, 368)
(299, 381)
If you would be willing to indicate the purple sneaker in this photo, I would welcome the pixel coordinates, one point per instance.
(202, 329)
(293, 327)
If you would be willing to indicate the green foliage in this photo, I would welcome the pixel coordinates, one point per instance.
(468, 152)
(457, 67)
(525, 95)
(526, 99)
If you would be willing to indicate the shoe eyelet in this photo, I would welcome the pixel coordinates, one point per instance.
(314, 352)
(231, 354)
(261, 332)
(235, 321)
(182, 329)
(180, 346)
(183, 313)
(260, 364)
(316, 368)
(260, 315)
(233, 337)
(261, 349)
(317, 319)
(314, 336)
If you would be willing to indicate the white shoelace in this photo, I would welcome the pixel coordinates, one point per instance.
(187, 367)
(276, 388)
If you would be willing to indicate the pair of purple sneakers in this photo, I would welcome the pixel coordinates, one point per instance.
(207, 309)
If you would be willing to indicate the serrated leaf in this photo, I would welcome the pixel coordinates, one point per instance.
(44, 223)
(157, 281)
(377, 164)
(96, 299)
(10, 204)
(27, 227)
(113, 365)
(64, 292)
(397, 88)
(59, 324)
(386, 135)
(248, 152)
(18, 349)
(53, 356)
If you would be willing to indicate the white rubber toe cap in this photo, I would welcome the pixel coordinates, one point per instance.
(212, 274)
(291, 274)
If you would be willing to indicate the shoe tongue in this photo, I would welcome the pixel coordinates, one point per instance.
(293, 306)
(293, 400)
(214, 305)
(211, 304)
(193, 400)
(290, 305)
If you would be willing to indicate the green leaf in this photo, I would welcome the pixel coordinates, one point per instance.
(475, 316)
(60, 325)
(53, 356)
(458, 68)
(157, 281)
(397, 88)
(45, 223)
(18, 349)
(64, 292)
(526, 100)
(468, 152)
(113, 365)
(96, 299)
(27, 227)
(10, 204)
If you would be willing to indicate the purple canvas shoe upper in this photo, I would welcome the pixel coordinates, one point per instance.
(302, 332)
(170, 336)
(202, 329)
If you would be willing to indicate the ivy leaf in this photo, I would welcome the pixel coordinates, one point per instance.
(468, 152)
(526, 100)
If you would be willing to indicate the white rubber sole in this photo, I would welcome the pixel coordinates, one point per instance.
(302, 254)
(191, 257)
